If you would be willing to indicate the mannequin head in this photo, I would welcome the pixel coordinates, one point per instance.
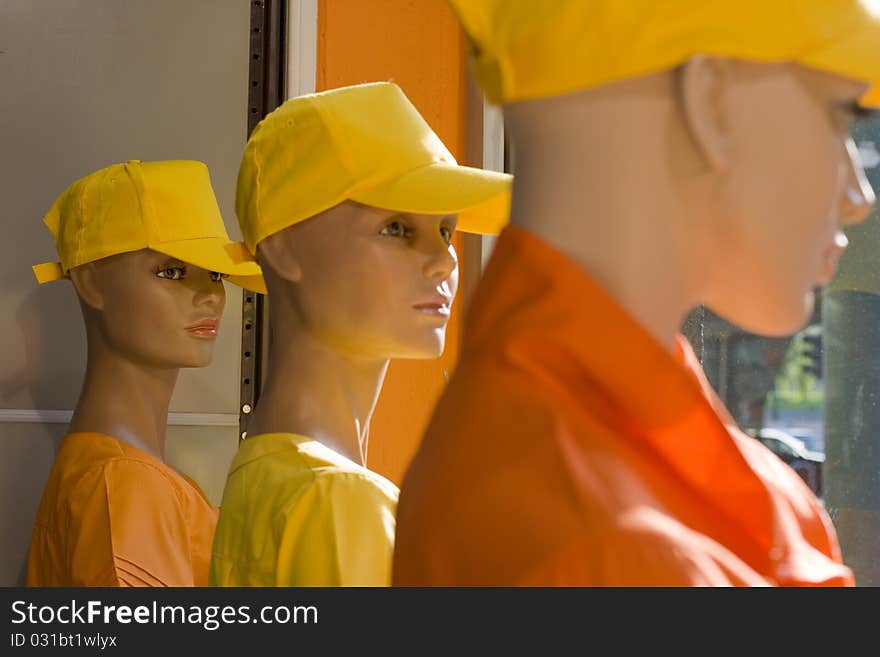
(787, 180)
(365, 282)
(150, 308)
(749, 165)
(711, 141)
(129, 236)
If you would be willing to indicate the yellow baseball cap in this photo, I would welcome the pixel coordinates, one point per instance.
(168, 207)
(523, 50)
(365, 143)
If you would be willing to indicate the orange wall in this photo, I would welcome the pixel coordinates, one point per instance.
(418, 45)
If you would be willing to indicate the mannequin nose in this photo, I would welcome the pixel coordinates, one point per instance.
(441, 263)
(208, 292)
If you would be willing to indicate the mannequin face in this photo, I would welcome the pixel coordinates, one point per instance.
(786, 178)
(367, 282)
(152, 308)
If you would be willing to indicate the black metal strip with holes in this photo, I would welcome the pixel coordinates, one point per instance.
(266, 57)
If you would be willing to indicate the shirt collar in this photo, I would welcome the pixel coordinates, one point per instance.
(550, 297)
(543, 310)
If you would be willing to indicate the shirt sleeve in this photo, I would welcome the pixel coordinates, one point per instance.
(339, 533)
(127, 528)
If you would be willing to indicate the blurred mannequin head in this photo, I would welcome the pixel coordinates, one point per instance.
(749, 165)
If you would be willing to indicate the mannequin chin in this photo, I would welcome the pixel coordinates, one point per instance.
(721, 182)
(151, 309)
(772, 312)
(365, 282)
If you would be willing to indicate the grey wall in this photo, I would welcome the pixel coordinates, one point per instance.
(84, 84)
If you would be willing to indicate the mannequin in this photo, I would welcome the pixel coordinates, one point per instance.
(646, 184)
(356, 276)
(113, 513)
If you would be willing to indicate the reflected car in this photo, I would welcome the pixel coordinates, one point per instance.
(807, 463)
(811, 441)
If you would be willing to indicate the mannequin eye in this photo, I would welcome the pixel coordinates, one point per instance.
(395, 229)
(216, 276)
(171, 273)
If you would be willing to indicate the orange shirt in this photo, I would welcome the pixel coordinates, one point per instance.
(114, 515)
(571, 448)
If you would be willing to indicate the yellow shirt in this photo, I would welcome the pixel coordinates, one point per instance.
(296, 513)
(114, 515)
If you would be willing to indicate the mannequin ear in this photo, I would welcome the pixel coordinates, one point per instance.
(85, 281)
(278, 254)
(703, 85)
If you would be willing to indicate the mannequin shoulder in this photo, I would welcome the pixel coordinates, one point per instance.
(132, 478)
(340, 485)
(341, 492)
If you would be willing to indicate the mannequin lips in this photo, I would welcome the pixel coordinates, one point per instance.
(437, 306)
(204, 328)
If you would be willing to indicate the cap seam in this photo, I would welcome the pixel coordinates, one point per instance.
(81, 201)
(362, 187)
(106, 253)
(147, 215)
(138, 184)
(328, 119)
(191, 239)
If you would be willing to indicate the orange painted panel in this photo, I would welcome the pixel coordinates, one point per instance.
(418, 45)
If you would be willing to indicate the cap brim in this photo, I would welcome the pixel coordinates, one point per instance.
(220, 255)
(871, 98)
(480, 198)
(855, 56)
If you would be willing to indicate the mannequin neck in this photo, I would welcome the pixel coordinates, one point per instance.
(124, 399)
(314, 390)
(599, 176)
